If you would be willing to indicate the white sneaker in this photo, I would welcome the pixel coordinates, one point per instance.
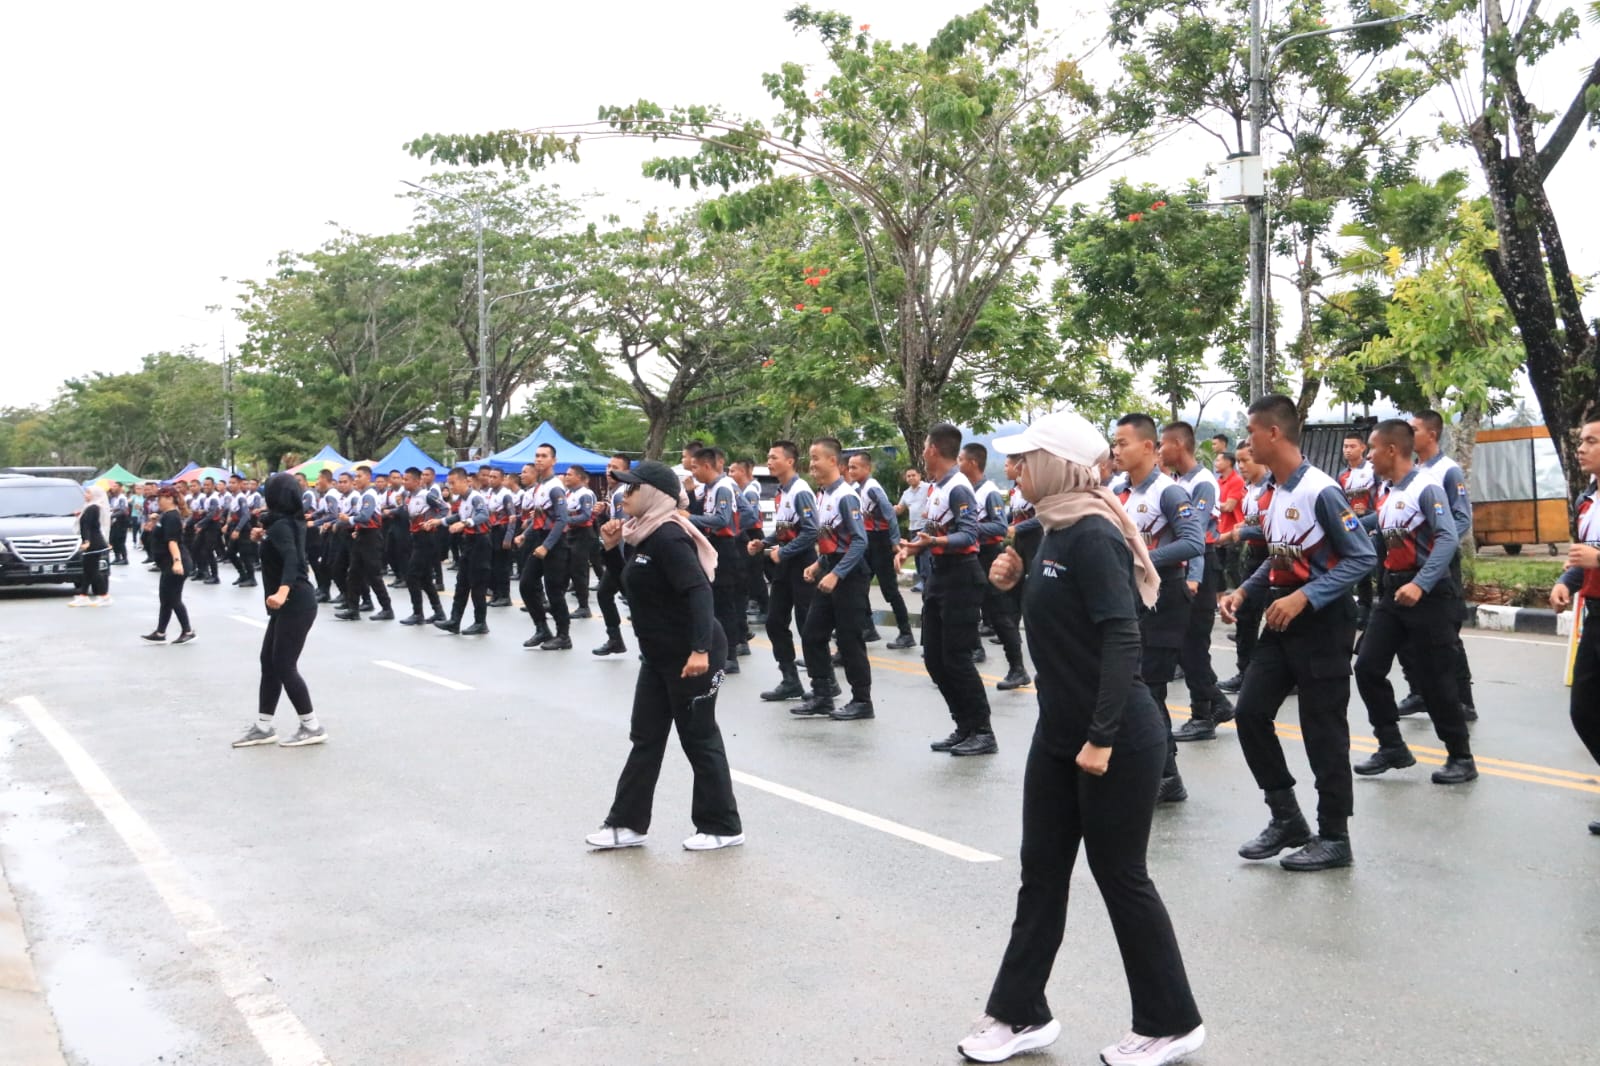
(78, 601)
(615, 836)
(102, 601)
(1136, 1050)
(710, 842)
(996, 1041)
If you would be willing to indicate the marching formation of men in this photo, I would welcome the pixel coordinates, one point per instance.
(1323, 577)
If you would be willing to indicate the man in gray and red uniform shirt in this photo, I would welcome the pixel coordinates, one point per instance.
(1316, 552)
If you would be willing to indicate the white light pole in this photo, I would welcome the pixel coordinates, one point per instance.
(484, 354)
(1257, 205)
(507, 296)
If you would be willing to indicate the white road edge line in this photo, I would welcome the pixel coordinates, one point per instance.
(258, 623)
(422, 675)
(280, 1034)
(871, 821)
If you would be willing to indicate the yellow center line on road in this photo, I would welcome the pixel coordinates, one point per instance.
(1531, 773)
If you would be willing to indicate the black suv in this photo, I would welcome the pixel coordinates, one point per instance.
(39, 530)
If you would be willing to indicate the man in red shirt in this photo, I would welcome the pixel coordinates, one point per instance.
(1230, 500)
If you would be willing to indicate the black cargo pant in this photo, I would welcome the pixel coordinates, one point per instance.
(1161, 632)
(1427, 628)
(756, 567)
(1585, 708)
(842, 611)
(951, 607)
(1458, 650)
(1000, 608)
(119, 538)
(790, 599)
(500, 562)
(397, 547)
(1109, 816)
(880, 556)
(472, 578)
(581, 542)
(1314, 654)
(727, 587)
(338, 562)
(1198, 674)
(319, 574)
(420, 563)
(548, 576)
(662, 698)
(1247, 619)
(365, 572)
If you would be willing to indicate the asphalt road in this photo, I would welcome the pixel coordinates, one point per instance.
(417, 890)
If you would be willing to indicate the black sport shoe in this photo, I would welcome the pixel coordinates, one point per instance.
(871, 636)
(385, 615)
(184, 638)
(986, 630)
(540, 635)
(476, 629)
(977, 744)
(1594, 827)
(1222, 710)
(731, 666)
(1016, 677)
(1232, 685)
(154, 638)
(347, 616)
(813, 707)
(560, 642)
(949, 742)
(612, 646)
(853, 711)
(1412, 704)
(500, 601)
(1469, 712)
(740, 650)
(1322, 853)
(1385, 759)
(412, 620)
(1456, 771)
(248, 583)
(1288, 829)
(979, 655)
(1172, 790)
(582, 612)
(903, 641)
(1195, 729)
(449, 626)
(787, 689)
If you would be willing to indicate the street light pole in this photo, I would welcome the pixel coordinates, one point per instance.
(1257, 205)
(484, 353)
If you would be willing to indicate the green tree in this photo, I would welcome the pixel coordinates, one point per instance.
(349, 329)
(1159, 279)
(950, 160)
(1518, 145)
(532, 240)
(1333, 107)
(159, 417)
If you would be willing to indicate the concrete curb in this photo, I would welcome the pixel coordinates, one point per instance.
(1539, 620)
(25, 1018)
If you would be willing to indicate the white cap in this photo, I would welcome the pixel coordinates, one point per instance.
(1070, 436)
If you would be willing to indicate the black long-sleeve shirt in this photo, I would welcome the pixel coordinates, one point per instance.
(669, 595)
(89, 528)
(1081, 609)
(283, 555)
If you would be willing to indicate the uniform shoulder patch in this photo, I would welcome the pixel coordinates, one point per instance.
(1350, 521)
(1184, 510)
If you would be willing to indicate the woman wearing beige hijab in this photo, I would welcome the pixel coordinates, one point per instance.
(94, 526)
(665, 567)
(1096, 760)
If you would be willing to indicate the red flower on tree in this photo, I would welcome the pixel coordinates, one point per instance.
(799, 307)
(827, 310)
(813, 282)
(1136, 217)
(865, 26)
(1158, 205)
(767, 364)
(822, 272)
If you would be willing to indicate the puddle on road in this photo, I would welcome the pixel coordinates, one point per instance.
(104, 1011)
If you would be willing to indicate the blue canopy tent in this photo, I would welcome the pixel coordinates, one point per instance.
(182, 475)
(567, 453)
(405, 454)
(196, 472)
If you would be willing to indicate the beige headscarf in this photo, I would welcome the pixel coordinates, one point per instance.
(98, 497)
(660, 509)
(1070, 492)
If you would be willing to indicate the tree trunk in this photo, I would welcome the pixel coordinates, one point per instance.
(1463, 440)
(919, 398)
(655, 437)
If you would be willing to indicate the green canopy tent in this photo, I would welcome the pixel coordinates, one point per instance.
(121, 476)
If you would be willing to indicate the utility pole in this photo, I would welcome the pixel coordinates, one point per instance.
(1256, 204)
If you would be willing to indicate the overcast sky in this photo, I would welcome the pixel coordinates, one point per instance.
(161, 149)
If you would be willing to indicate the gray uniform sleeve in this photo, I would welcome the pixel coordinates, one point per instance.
(1455, 495)
(1352, 547)
(1189, 539)
(1436, 516)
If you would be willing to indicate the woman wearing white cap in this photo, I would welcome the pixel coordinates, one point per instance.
(1096, 759)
